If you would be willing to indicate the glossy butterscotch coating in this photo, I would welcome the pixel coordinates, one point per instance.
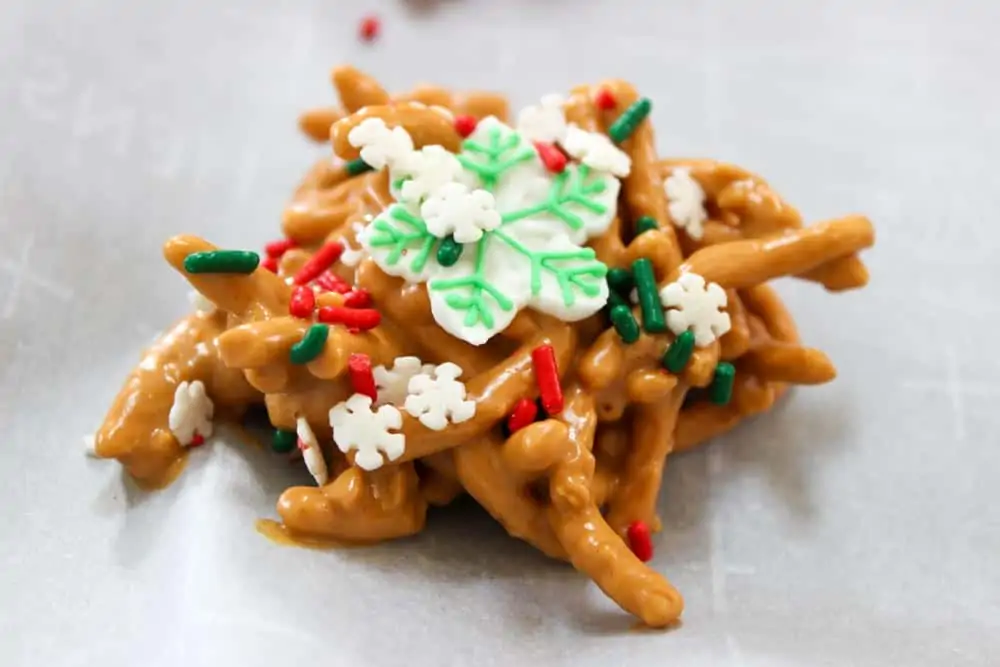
(570, 484)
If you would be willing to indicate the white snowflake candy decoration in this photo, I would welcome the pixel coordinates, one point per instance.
(533, 258)
(380, 146)
(686, 202)
(596, 151)
(191, 414)
(423, 172)
(545, 122)
(312, 453)
(457, 210)
(696, 306)
(392, 384)
(439, 399)
(357, 427)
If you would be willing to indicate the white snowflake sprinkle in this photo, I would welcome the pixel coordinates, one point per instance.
(356, 426)
(424, 171)
(200, 302)
(392, 383)
(312, 453)
(455, 209)
(596, 151)
(191, 413)
(545, 122)
(686, 202)
(696, 306)
(440, 399)
(379, 145)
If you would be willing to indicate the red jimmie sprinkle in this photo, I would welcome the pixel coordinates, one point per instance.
(302, 302)
(331, 282)
(524, 413)
(278, 248)
(360, 368)
(605, 100)
(270, 263)
(369, 28)
(553, 158)
(543, 358)
(318, 263)
(358, 298)
(361, 319)
(639, 541)
(197, 440)
(465, 125)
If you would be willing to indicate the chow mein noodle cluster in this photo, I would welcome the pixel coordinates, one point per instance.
(534, 311)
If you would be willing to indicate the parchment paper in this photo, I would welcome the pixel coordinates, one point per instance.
(856, 525)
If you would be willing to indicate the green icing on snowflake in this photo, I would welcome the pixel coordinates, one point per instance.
(399, 241)
(535, 258)
(498, 155)
(567, 276)
(475, 303)
(569, 187)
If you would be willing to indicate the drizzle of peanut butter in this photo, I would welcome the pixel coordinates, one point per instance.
(570, 484)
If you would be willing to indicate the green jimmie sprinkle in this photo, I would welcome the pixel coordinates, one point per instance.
(222, 261)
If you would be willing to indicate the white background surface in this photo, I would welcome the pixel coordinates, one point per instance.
(858, 524)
